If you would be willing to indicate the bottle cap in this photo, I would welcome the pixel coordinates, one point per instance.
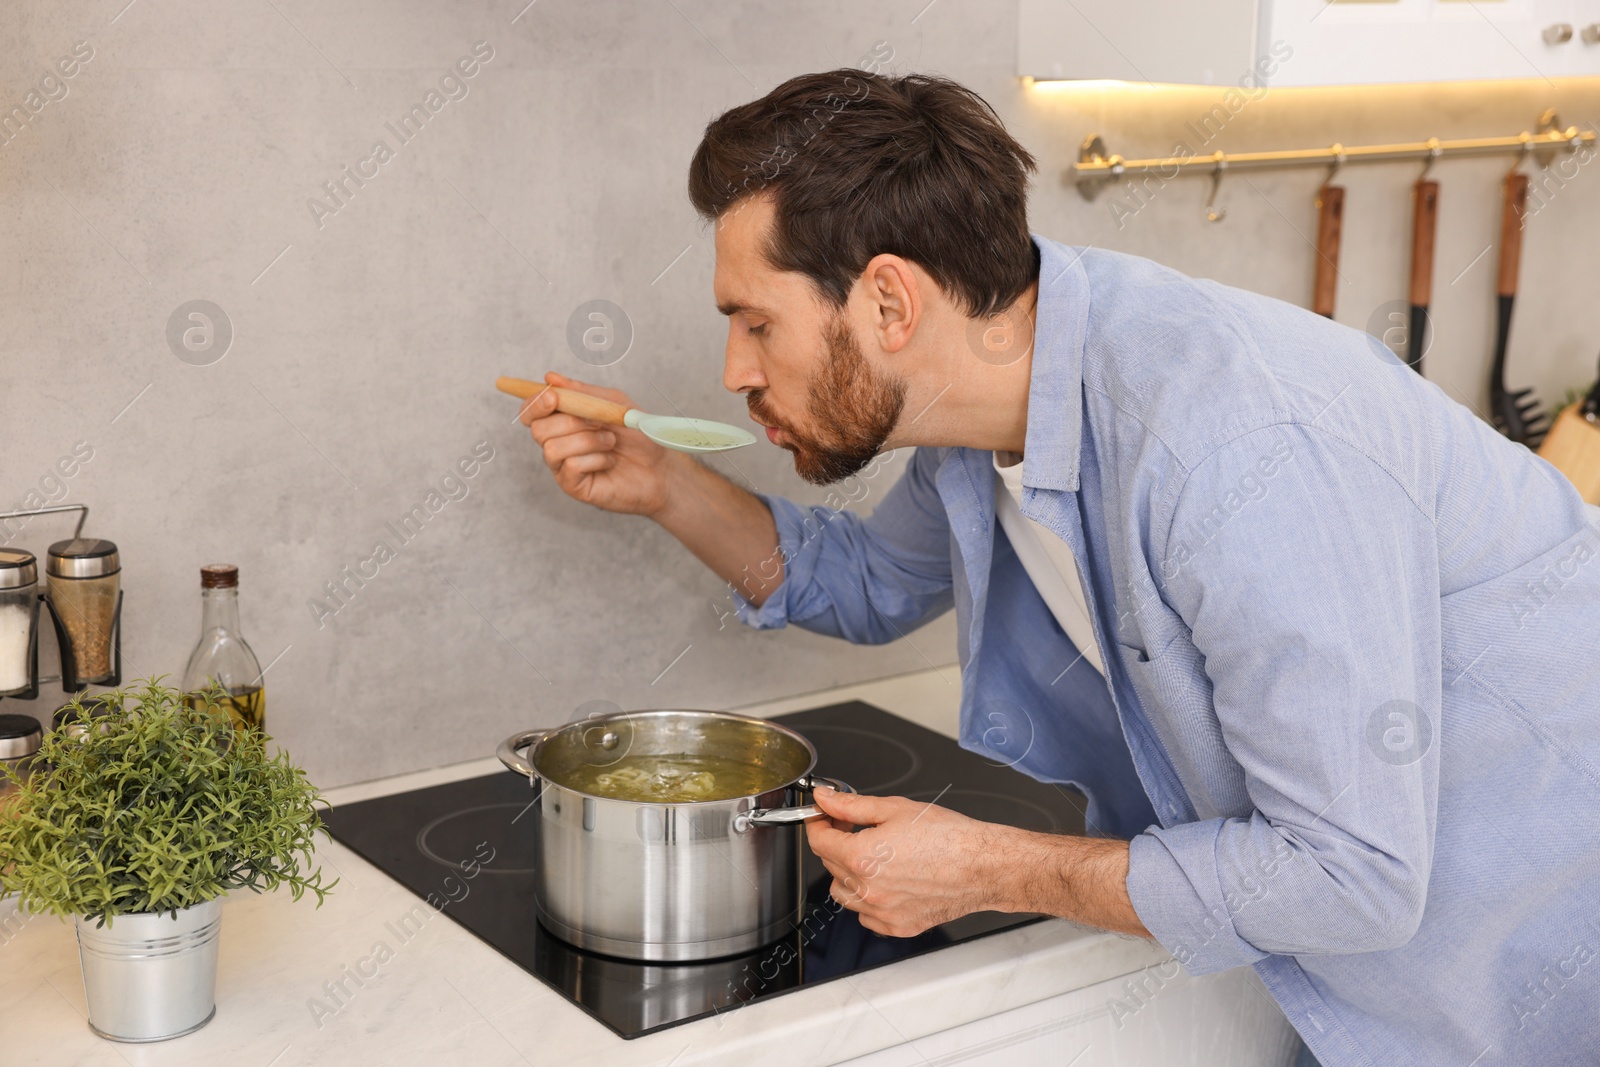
(219, 576)
(83, 557)
(18, 568)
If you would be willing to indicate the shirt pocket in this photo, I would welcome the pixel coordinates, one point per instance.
(1166, 684)
(1175, 696)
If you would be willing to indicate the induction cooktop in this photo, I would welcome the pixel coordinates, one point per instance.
(461, 847)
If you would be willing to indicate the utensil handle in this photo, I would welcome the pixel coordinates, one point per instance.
(1424, 223)
(1330, 220)
(1417, 337)
(510, 750)
(788, 816)
(1513, 205)
(568, 400)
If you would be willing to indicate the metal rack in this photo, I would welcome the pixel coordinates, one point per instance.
(53, 509)
(1096, 167)
(70, 682)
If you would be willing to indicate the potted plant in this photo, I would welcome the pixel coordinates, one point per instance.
(139, 814)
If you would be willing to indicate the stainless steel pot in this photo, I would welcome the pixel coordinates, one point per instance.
(655, 881)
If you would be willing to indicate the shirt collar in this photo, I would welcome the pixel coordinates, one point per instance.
(1055, 385)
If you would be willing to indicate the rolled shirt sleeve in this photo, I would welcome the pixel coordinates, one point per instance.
(868, 580)
(1312, 602)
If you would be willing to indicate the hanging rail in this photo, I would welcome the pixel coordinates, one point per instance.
(81, 509)
(1095, 167)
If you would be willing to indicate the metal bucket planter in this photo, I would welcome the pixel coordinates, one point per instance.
(148, 977)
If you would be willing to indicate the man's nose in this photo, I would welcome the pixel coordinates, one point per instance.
(741, 370)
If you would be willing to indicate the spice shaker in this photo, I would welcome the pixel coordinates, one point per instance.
(69, 720)
(83, 576)
(19, 740)
(19, 623)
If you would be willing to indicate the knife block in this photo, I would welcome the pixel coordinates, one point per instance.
(1573, 447)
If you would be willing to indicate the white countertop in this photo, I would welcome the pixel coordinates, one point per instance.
(446, 997)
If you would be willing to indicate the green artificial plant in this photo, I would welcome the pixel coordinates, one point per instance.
(151, 805)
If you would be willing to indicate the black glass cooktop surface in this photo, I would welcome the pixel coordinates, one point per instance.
(461, 847)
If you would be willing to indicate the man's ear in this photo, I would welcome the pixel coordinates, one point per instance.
(896, 301)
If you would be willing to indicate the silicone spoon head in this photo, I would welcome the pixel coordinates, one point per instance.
(690, 435)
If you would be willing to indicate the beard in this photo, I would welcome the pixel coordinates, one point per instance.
(854, 408)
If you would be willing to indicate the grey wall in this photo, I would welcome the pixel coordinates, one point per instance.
(179, 165)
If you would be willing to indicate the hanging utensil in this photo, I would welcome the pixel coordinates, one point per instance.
(669, 431)
(1424, 220)
(1330, 220)
(1573, 444)
(1516, 413)
(1214, 213)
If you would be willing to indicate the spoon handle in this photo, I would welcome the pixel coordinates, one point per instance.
(568, 400)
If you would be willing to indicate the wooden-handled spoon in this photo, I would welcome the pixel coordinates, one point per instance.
(669, 431)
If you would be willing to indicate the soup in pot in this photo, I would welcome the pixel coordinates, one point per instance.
(672, 779)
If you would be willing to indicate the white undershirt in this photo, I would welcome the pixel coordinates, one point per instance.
(1047, 559)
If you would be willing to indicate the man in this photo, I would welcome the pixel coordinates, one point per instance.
(1316, 642)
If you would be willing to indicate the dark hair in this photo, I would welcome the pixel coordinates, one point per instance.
(860, 164)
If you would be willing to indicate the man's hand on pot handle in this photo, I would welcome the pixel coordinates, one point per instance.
(916, 865)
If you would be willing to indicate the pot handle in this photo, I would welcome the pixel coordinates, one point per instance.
(510, 753)
(787, 816)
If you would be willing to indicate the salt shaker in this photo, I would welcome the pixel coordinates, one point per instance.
(83, 576)
(19, 623)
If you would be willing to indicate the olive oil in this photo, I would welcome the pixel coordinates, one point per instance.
(222, 658)
(670, 779)
(246, 708)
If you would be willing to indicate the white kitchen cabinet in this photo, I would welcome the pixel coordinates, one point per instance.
(1158, 1017)
(1203, 42)
(1307, 42)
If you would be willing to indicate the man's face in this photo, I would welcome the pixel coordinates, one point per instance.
(797, 359)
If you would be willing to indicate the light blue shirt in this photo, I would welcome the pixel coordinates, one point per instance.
(1352, 725)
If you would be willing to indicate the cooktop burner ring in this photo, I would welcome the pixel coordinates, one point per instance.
(889, 744)
(455, 865)
(1042, 819)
